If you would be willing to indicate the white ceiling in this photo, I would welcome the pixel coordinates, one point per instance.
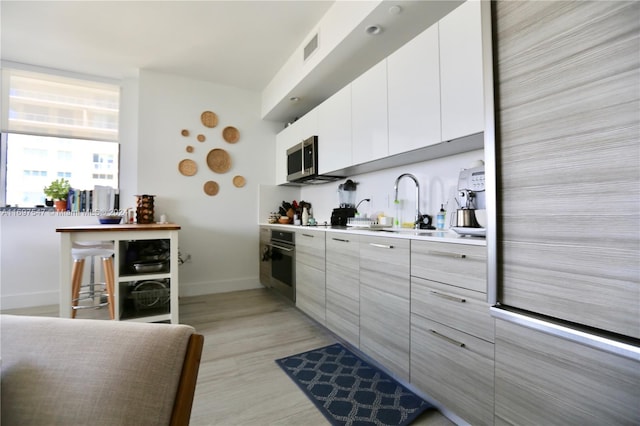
(236, 43)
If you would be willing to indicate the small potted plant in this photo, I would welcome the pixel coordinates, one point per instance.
(58, 191)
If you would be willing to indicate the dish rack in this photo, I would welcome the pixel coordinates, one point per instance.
(151, 294)
(364, 222)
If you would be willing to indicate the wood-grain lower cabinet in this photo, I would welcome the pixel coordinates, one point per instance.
(453, 367)
(310, 273)
(384, 302)
(343, 286)
(452, 331)
(542, 379)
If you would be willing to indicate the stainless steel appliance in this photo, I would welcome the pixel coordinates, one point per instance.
(346, 203)
(302, 163)
(471, 197)
(278, 263)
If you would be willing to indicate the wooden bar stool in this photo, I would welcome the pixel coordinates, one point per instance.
(80, 251)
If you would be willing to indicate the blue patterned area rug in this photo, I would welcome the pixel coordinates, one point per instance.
(348, 391)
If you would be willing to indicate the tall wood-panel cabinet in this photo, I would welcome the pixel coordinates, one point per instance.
(568, 76)
(569, 170)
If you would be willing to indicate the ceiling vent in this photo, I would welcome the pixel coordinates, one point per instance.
(311, 47)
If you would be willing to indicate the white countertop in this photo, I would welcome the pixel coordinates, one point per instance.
(446, 236)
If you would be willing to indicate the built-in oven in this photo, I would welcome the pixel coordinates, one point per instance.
(278, 263)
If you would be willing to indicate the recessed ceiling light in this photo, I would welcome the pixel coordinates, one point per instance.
(373, 29)
(395, 10)
(294, 99)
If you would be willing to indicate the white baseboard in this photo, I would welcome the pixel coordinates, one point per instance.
(29, 300)
(221, 286)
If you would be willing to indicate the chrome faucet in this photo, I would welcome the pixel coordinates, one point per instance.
(416, 223)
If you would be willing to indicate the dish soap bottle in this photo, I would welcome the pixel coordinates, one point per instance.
(440, 217)
(305, 216)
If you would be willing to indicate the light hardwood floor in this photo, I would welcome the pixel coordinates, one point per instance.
(239, 383)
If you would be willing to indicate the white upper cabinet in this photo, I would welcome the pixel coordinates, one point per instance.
(307, 125)
(369, 115)
(284, 140)
(334, 132)
(461, 71)
(300, 130)
(414, 93)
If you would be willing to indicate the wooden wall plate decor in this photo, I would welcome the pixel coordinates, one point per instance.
(201, 138)
(188, 167)
(239, 181)
(189, 149)
(211, 187)
(209, 119)
(184, 132)
(231, 134)
(219, 160)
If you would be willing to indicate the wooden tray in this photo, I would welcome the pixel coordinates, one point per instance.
(209, 119)
(188, 167)
(211, 187)
(219, 160)
(239, 181)
(231, 134)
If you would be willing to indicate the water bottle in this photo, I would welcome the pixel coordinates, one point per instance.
(440, 217)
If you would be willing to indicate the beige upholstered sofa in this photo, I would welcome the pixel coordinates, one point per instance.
(74, 372)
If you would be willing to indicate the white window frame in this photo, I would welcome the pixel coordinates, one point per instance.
(6, 68)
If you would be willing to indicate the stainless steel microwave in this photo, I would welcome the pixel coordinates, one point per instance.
(302, 163)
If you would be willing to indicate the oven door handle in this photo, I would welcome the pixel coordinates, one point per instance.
(287, 249)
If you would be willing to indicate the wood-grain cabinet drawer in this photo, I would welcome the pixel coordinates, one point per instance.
(343, 286)
(310, 248)
(456, 307)
(454, 368)
(460, 265)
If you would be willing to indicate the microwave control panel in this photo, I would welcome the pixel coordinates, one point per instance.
(472, 179)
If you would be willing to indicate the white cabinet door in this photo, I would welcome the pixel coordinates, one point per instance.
(284, 140)
(300, 130)
(307, 125)
(461, 71)
(334, 132)
(414, 93)
(369, 115)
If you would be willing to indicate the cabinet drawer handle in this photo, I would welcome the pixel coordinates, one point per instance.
(340, 239)
(308, 235)
(447, 254)
(381, 245)
(448, 297)
(448, 339)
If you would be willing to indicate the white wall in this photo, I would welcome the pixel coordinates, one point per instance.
(219, 232)
(30, 257)
(438, 181)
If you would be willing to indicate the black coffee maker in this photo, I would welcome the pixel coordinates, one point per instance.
(347, 204)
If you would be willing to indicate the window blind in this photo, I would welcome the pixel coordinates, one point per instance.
(51, 105)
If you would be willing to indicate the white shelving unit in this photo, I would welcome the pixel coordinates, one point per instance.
(125, 279)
